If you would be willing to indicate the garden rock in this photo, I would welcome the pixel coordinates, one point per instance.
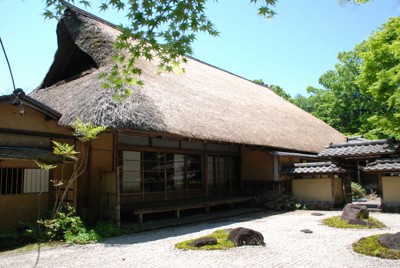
(306, 231)
(317, 214)
(391, 241)
(361, 222)
(204, 241)
(243, 236)
(353, 211)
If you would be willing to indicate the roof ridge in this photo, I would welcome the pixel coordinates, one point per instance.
(87, 14)
(369, 142)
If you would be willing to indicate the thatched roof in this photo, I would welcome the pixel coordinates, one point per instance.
(204, 103)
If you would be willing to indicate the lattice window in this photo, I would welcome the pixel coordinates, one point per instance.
(14, 181)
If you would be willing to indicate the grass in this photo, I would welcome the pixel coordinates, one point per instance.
(222, 242)
(370, 246)
(336, 222)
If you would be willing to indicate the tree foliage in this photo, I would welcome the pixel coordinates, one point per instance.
(361, 95)
(85, 132)
(380, 76)
(163, 29)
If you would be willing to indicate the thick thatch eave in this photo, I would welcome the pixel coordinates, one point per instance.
(203, 103)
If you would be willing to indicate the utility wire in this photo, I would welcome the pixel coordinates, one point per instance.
(8, 63)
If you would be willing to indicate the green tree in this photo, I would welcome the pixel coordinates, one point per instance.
(161, 28)
(84, 132)
(351, 107)
(361, 95)
(380, 76)
(277, 89)
(303, 103)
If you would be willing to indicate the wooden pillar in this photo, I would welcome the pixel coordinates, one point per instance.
(333, 188)
(358, 173)
(380, 187)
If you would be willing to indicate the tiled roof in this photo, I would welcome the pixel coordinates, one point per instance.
(313, 168)
(361, 148)
(383, 165)
(294, 154)
(356, 139)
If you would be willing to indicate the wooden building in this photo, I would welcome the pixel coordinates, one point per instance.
(356, 153)
(319, 185)
(388, 172)
(27, 128)
(182, 141)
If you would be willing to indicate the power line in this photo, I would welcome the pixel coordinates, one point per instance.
(8, 63)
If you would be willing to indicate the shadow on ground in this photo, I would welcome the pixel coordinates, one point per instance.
(187, 225)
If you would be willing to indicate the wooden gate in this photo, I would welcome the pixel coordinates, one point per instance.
(109, 207)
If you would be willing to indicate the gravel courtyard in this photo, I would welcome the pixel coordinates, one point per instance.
(286, 246)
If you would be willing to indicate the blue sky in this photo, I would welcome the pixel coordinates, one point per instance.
(292, 50)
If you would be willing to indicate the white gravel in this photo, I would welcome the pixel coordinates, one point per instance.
(285, 246)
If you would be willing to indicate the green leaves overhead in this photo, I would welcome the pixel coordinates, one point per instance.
(163, 29)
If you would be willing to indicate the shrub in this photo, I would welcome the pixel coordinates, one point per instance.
(273, 200)
(357, 191)
(68, 227)
(107, 229)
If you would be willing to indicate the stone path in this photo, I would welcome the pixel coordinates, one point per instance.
(286, 246)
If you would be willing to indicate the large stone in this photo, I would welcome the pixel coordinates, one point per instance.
(204, 241)
(361, 222)
(353, 211)
(391, 241)
(244, 236)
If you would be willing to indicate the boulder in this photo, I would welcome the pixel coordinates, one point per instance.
(244, 236)
(361, 222)
(306, 231)
(317, 214)
(204, 241)
(353, 211)
(391, 241)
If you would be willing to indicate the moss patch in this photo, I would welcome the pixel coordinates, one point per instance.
(222, 242)
(370, 246)
(336, 222)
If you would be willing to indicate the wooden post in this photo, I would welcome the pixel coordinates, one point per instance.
(333, 188)
(381, 188)
(358, 173)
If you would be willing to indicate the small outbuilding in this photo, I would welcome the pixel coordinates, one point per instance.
(320, 185)
(388, 172)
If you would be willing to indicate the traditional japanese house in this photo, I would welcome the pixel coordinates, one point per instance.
(356, 153)
(27, 128)
(191, 140)
(319, 185)
(388, 172)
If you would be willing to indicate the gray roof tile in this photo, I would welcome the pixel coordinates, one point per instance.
(313, 168)
(383, 165)
(361, 148)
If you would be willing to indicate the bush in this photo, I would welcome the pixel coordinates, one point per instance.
(68, 227)
(107, 229)
(357, 191)
(278, 201)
